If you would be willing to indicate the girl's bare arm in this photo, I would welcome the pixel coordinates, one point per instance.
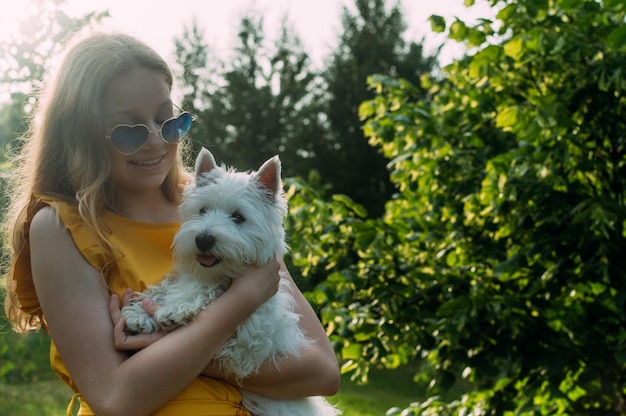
(76, 306)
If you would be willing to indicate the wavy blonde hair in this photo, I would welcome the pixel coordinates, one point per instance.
(63, 153)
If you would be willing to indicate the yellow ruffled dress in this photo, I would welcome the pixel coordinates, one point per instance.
(147, 258)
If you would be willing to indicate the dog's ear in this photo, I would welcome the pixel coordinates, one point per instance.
(205, 162)
(269, 175)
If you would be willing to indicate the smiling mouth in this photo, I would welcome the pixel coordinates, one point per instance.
(150, 162)
(207, 260)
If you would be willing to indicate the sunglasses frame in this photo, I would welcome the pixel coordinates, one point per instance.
(159, 130)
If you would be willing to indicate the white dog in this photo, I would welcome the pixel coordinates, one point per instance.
(231, 220)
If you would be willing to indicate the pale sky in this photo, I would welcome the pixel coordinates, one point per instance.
(316, 21)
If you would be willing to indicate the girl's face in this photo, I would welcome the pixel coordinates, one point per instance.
(139, 96)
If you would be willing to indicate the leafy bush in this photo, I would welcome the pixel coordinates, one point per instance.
(501, 259)
(23, 357)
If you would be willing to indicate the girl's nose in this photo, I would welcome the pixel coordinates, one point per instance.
(154, 135)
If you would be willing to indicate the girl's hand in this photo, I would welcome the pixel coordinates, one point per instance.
(258, 284)
(121, 339)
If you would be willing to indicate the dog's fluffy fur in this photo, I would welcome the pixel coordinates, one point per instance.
(230, 221)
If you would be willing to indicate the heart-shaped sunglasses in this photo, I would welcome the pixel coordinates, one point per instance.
(130, 139)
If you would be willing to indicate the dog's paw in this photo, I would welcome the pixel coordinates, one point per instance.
(169, 319)
(138, 321)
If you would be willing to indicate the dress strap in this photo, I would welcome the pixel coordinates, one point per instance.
(70, 406)
(242, 411)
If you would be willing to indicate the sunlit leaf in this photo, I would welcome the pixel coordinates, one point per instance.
(437, 23)
(507, 117)
(514, 48)
(351, 352)
(458, 31)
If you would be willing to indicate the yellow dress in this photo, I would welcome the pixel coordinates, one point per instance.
(147, 258)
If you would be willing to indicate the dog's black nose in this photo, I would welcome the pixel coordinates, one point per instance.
(205, 241)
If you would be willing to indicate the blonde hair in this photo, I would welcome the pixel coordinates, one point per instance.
(63, 153)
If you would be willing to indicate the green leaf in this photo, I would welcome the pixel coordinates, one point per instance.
(483, 59)
(475, 37)
(504, 269)
(508, 12)
(617, 37)
(507, 117)
(437, 23)
(559, 45)
(458, 31)
(364, 238)
(344, 199)
(367, 109)
(569, 4)
(393, 361)
(351, 352)
(514, 48)
(452, 258)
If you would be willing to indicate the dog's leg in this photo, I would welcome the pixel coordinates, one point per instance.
(138, 321)
(183, 299)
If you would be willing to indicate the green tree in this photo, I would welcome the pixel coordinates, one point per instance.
(266, 100)
(261, 103)
(502, 260)
(371, 43)
(26, 54)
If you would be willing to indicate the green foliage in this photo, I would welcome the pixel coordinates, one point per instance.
(364, 288)
(39, 33)
(501, 260)
(24, 358)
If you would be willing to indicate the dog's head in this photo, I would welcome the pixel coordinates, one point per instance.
(230, 219)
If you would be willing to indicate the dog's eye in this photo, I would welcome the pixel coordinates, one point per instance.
(203, 210)
(237, 218)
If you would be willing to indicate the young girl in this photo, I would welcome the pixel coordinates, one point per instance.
(93, 214)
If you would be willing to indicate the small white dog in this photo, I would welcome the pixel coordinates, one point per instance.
(231, 220)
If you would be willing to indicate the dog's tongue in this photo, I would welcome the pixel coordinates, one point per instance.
(206, 260)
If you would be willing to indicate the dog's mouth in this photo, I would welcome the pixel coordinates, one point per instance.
(207, 260)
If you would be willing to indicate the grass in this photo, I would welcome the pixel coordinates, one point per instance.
(42, 398)
(386, 389)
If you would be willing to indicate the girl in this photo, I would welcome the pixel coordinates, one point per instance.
(93, 214)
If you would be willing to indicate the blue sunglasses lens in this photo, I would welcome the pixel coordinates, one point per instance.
(129, 139)
(174, 130)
